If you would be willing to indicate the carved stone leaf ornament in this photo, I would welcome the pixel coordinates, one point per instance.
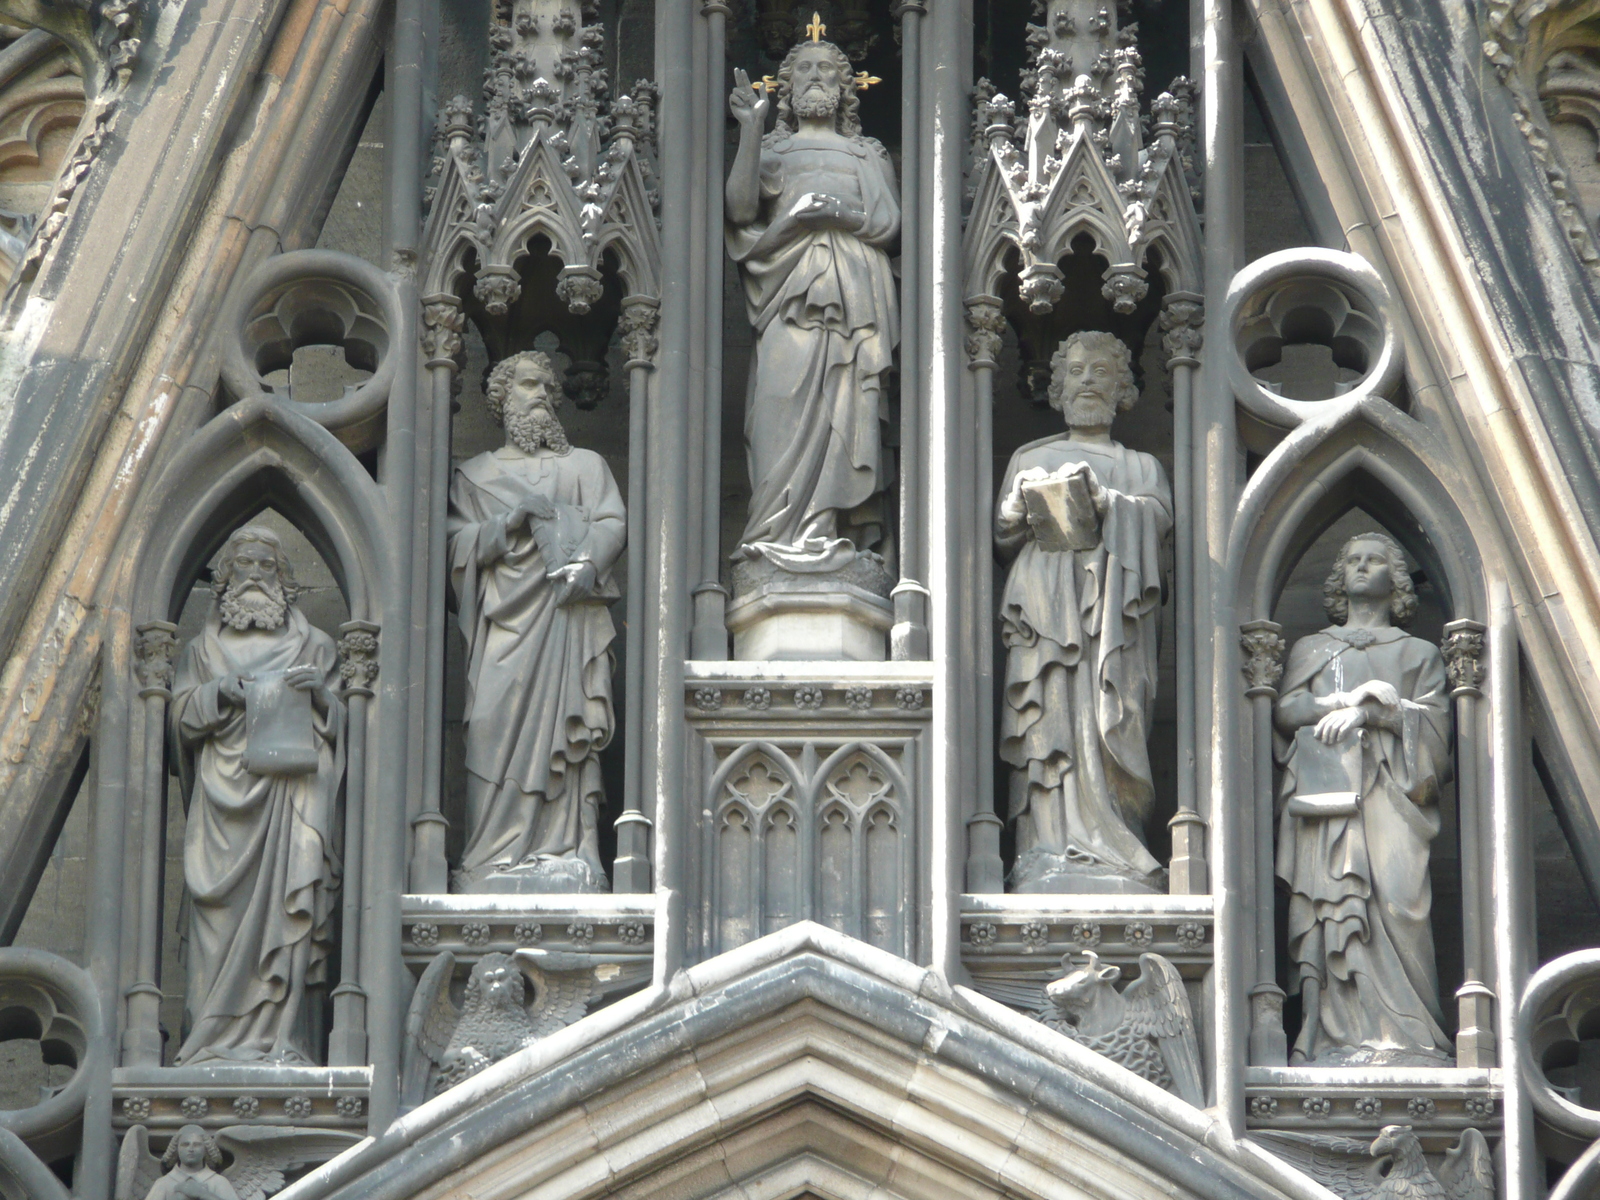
(550, 154)
(1077, 162)
(1547, 54)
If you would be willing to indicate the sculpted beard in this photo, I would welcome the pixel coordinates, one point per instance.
(530, 430)
(263, 605)
(1088, 407)
(817, 100)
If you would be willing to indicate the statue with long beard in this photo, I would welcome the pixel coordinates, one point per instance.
(535, 528)
(260, 733)
(1087, 521)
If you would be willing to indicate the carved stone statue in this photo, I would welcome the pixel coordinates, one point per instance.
(445, 1044)
(535, 528)
(194, 1169)
(1147, 1027)
(260, 1157)
(1364, 725)
(259, 728)
(1087, 521)
(812, 209)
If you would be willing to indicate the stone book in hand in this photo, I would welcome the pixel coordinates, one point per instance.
(1061, 512)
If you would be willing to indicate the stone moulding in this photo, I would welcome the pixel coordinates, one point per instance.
(825, 1019)
(470, 926)
(166, 1098)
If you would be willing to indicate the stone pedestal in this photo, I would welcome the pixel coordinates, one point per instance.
(786, 622)
(842, 615)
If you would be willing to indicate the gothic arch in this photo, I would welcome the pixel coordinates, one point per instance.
(257, 453)
(1308, 481)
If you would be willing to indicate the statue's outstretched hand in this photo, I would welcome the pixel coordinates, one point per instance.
(575, 581)
(748, 104)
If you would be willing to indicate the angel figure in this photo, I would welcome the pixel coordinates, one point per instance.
(445, 1045)
(1147, 1027)
(261, 1155)
(1390, 1167)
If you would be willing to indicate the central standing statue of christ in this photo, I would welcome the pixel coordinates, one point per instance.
(811, 210)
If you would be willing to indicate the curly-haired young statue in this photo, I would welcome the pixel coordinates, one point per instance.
(1087, 521)
(194, 1169)
(811, 212)
(535, 528)
(259, 730)
(1364, 725)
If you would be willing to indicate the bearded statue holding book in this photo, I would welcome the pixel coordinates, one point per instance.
(535, 529)
(260, 743)
(1087, 522)
(1364, 738)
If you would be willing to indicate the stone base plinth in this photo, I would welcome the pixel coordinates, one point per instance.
(790, 621)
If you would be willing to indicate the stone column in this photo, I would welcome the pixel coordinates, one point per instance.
(631, 871)
(443, 322)
(944, 100)
(358, 670)
(1216, 487)
(986, 324)
(667, 561)
(908, 637)
(1263, 647)
(1182, 315)
(384, 837)
(709, 637)
(155, 652)
(1463, 650)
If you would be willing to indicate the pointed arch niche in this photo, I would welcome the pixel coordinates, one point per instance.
(1356, 467)
(258, 462)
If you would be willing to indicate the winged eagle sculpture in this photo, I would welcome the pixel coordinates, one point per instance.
(1390, 1167)
(1147, 1027)
(446, 1043)
(259, 1158)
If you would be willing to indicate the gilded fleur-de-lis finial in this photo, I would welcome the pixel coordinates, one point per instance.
(864, 81)
(816, 29)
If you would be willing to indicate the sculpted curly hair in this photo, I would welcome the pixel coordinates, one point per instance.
(1402, 601)
(847, 117)
(1107, 345)
(213, 1154)
(223, 575)
(498, 386)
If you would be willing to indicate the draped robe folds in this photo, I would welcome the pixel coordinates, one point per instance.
(1360, 895)
(538, 708)
(824, 310)
(1080, 631)
(258, 854)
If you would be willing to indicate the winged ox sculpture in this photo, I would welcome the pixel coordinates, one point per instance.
(1147, 1027)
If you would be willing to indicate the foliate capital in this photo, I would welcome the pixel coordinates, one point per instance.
(358, 657)
(155, 650)
(639, 317)
(443, 322)
(1182, 318)
(1463, 656)
(1263, 646)
(986, 324)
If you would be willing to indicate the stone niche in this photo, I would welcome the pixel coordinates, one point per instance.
(809, 780)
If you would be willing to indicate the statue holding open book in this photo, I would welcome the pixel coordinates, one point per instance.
(259, 730)
(1087, 521)
(535, 529)
(1364, 738)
